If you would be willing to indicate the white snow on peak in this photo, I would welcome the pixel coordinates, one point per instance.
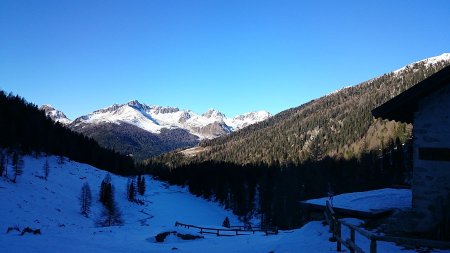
(338, 90)
(428, 61)
(212, 113)
(55, 115)
(155, 118)
(247, 119)
(128, 113)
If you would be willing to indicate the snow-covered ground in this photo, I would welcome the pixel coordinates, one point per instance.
(376, 200)
(53, 207)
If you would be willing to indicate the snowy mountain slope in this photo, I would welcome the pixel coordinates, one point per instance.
(53, 207)
(247, 119)
(55, 115)
(428, 62)
(154, 118)
(143, 131)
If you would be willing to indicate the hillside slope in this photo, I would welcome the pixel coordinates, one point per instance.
(53, 207)
(25, 127)
(339, 124)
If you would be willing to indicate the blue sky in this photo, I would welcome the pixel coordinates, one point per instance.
(234, 56)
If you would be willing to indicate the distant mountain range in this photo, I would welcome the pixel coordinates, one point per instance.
(143, 131)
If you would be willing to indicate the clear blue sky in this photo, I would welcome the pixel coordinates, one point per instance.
(234, 56)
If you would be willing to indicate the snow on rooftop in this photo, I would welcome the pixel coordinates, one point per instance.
(375, 200)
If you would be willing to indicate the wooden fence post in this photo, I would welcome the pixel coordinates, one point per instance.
(373, 245)
(352, 238)
(338, 236)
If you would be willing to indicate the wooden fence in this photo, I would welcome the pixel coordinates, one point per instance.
(232, 231)
(336, 229)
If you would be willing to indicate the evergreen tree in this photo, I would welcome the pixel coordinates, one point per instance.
(226, 223)
(141, 185)
(17, 164)
(105, 194)
(6, 164)
(85, 199)
(46, 169)
(2, 163)
(110, 215)
(131, 190)
(60, 159)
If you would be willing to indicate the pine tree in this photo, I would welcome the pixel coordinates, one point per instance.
(17, 164)
(6, 165)
(110, 215)
(131, 190)
(46, 169)
(226, 223)
(105, 190)
(2, 163)
(60, 159)
(85, 199)
(141, 185)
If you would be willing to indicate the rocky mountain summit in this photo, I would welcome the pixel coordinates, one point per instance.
(142, 130)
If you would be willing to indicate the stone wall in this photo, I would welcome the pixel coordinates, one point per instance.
(431, 178)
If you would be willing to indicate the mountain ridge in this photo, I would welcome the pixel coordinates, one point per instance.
(339, 124)
(141, 130)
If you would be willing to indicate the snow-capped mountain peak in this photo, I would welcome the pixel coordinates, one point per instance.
(55, 115)
(247, 119)
(212, 113)
(136, 104)
(154, 118)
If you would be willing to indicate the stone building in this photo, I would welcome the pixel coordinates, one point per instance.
(427, 106)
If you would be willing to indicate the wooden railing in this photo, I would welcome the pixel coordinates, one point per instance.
(336, 229)
(232, 231)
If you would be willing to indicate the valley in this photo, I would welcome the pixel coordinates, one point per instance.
(53, 207)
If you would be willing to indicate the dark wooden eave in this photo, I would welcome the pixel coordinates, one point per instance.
(402, 107)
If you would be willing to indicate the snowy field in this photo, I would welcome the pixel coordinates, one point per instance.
(53, 207)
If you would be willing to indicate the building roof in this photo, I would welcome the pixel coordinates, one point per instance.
(402, 107)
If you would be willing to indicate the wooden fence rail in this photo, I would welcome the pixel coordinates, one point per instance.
(336, 229)
(232, 231)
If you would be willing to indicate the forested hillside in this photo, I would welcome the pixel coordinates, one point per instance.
(26, 129)
(329, 145)
(132, 140)
(339, 125)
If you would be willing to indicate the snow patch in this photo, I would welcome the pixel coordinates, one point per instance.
(428, 62)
